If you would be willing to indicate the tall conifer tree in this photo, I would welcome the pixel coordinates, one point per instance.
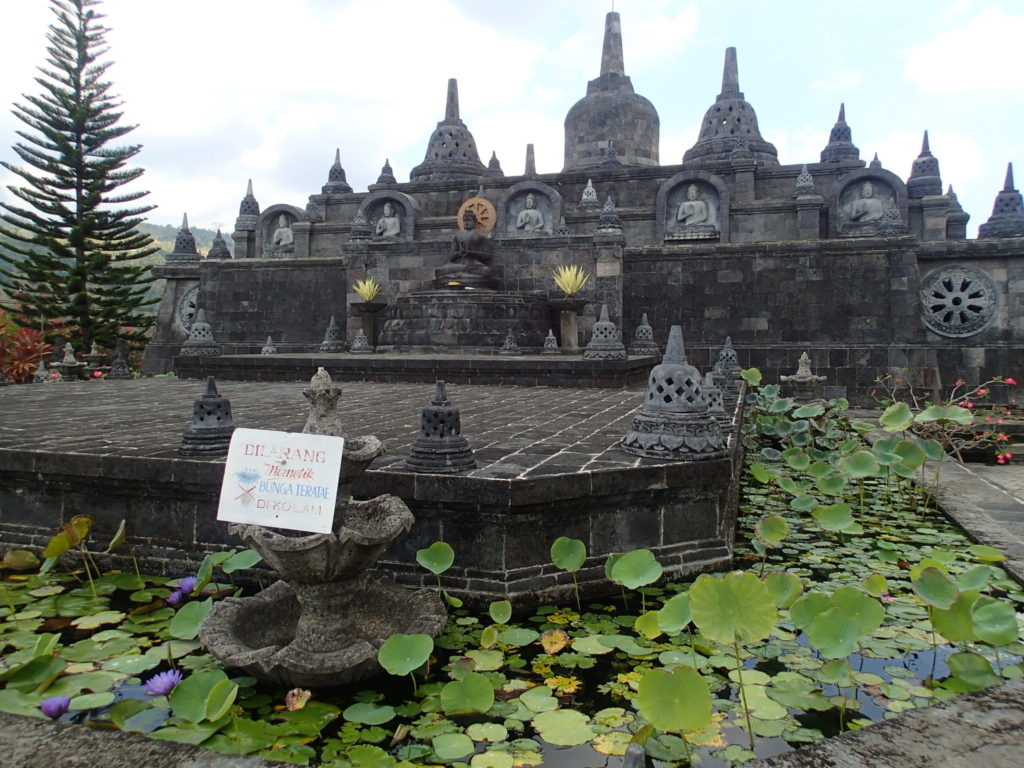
(72, 260)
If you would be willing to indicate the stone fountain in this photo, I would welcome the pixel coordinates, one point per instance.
(324, 622)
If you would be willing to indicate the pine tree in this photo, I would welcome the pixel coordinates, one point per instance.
(72, 250)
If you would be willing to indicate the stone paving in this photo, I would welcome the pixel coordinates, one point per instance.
(514, 431)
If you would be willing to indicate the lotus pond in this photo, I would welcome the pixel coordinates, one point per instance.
(853, 601)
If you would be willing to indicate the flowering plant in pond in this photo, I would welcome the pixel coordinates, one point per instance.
(55, 706)
(163, 683)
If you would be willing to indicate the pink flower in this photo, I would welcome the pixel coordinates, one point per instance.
(999, 421)
(1002, 436)
(969, 405)
(1011, 381)
(887, 599)
(982, 391)
(96, 374)
(959, 383)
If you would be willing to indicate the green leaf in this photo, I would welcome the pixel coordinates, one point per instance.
(487, 732)
(674, 614)
(98, 619)
(973, 670)
(220, 699)
(636, 569)
(91, 701)
(124, 709)
(772, 529)
(803, 611)
(784, 587)
(675, 701)
(518, 636)
(401, 654)
(953, 413)
(761, 474)
(832, 485)
(955, 623)
(994, 621)
(238, 561)
(833, 633)
(190, 617)
(451, 746)
(437, 558)
(20, 560)
(834, 517)
(119, 538)
(500, 611)
(911, 454)
(986, 553)
(647, 625)
(737, 607)
(473, 693)
(368, 713)
(796, 458)
(812, 411)
(539, 699)
(935, 588)
(867, 613)
(189, 697)
(876, 585)
(804, 503)
(858, 465)
(896, 418)
(568, 554)
(564, 727)
(752, 376)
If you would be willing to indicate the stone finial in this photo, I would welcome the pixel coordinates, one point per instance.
(605, 343)
(510, 346)
(451, 151)
(1007, 219)
(804, 186)
(550, 344)
(312, 212)
(609, 221)
(612, 61)
(361, 345)
(336, 181)
(956, 217)
(924, 173)
(332, 338)
(322, 394)
(440, 447)
(643, 339)
(119, 365)
(361, 230)
(840, 141)
(387, 176)
(804, 386)
(184, 244)
(611, 156)
(209, 434)
(219, 249)
(730, 124)
(494, 167)
(875, 162)
(248, 212)
(562, 229)
(531, 162)
(674, 423)
(200, 339)
(69, 355)
(716, 402)
(728, 361)
(269, 348)
(589, 197)
(42, 375)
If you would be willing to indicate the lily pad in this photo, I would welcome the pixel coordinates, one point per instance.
(401, 654)
(738, 607)
(451, 746)
(564, 727)
(636, 569)
(370, 714)
(568, 554)
(675, 701)
(437, 558)
(473, 693)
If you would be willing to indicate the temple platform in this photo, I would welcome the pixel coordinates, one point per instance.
(548, 465)
(427, 367)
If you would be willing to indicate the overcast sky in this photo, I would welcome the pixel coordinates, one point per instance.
(227, 90)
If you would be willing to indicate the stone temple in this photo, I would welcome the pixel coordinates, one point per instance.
(866, 270)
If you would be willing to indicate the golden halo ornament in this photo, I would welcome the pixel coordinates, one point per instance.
(485, 214)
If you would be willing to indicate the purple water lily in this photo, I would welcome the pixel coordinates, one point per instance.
(174, 598)
(163, 683)
(187, 585)
(55, 706)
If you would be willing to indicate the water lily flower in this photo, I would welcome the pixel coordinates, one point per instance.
(163, 683)
(296, 699)
(174, 598)
(55, 706)
(187, 585)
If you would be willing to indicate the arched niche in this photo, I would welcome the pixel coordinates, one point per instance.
(711, 224)
(270, 222)
(404, 210)
(511, 219)
(868, 202)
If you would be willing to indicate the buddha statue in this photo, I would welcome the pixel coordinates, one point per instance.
(695, 219)
(283, 239)
(870, 215)
(471, 257)
(867, 207)
(530, 219)
(388, 225)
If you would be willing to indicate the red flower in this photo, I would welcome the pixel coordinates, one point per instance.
(1011, 381)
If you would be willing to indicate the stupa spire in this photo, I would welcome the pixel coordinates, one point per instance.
(924, 173)
(1007, 219)
(451, 106)
(840, 141)
(611, 52)
(730, 76)
(1008, 182)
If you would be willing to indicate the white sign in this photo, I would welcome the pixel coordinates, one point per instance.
(281, 480)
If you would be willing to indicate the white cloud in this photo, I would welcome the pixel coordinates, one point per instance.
(982, 55)
(843, 80)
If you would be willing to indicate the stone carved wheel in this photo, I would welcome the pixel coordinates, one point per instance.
(486, 216)
(958, 301)
(187, 308)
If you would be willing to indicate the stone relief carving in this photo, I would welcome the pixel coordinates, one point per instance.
(868, 209)
(388, 225)
(958, 301)
(282, 241)
(694, 209)
(529, 213)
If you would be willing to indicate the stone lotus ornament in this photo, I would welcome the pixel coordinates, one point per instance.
(323, 624)
(675, 423)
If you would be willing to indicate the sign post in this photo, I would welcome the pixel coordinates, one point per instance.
(281, 480)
